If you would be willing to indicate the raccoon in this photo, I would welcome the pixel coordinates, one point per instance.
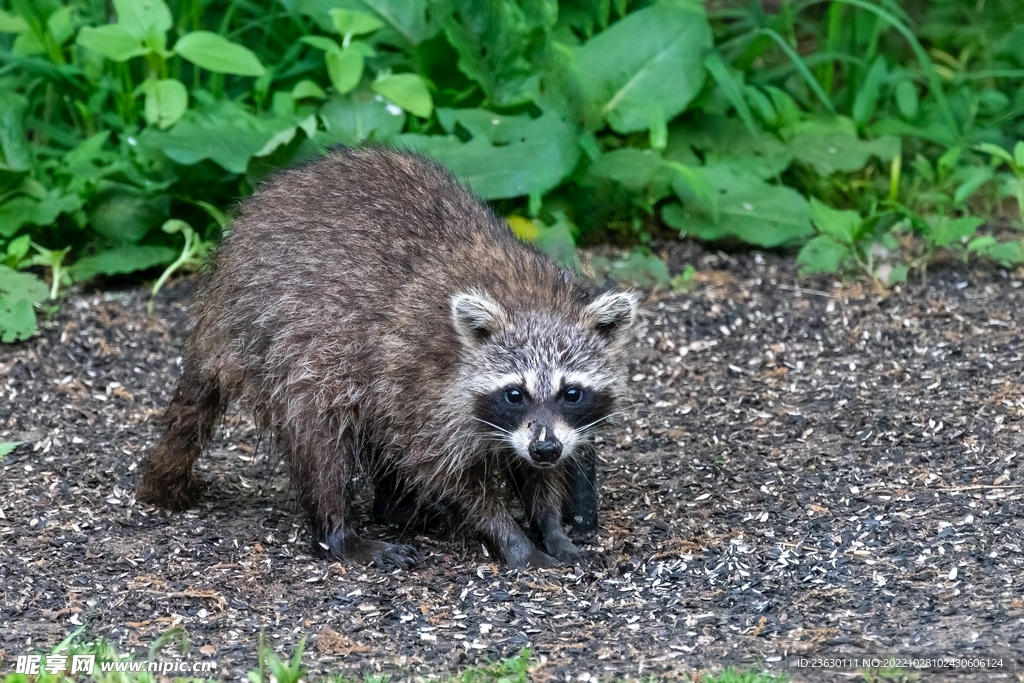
(382, 324)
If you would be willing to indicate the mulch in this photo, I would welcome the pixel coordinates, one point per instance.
(809, 469)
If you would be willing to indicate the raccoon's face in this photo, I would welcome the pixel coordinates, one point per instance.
(540, 381)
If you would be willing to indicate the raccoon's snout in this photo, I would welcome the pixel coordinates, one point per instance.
(545, 448)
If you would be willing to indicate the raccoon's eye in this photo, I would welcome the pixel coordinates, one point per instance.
(573, 395)
(514, 395)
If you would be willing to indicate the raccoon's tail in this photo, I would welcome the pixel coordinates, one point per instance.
(167, 478)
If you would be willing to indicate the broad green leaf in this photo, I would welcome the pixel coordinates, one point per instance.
(8, 447)
(17, 155)
(223, 131)
(831, 145)
(124, 259)
(945, 231)
(125, 214)
(907, 101)
(408, 91)
(61, 25)
(143, 18)
(166, 101)
(349, 23)
(321, 43)
(345, 69)
(822, 254)
(632, 168)
(307, 88)
(724, 141)
(12, 23)
(1006, 254)
(216, 53)
(113, 41)
(360, 117)
(995, 151)
(651, 58)
(538, 161)
(497, 48)
(1018, 156)
(971, 179)
(409, 18)
(842, 226)
(638, 269)
(749, 209)
(15, 213)
(320, 10)
(18, 293)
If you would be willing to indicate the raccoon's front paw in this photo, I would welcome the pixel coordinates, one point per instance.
(536, 558)
(395, 555)
(566, 552)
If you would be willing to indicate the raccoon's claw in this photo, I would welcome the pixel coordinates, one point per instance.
(536, 558)
(395, 555)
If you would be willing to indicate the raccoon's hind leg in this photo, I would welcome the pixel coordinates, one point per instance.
(543, 493)
(188, 424)
(322, 471)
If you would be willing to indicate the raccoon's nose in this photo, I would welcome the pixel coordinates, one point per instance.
(545, 448)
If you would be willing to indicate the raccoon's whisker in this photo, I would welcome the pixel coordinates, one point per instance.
(491, 424)
(606, 417)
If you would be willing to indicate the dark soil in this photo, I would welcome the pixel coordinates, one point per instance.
(809, 469)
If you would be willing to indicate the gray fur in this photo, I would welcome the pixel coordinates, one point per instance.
(360, 308)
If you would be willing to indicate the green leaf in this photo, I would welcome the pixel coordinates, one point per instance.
(823, 254)
(1018, 156)
(113, 41)
(359, 117)
(651, 58)
(15, 213)
(907, 101)
(842, 226)
(972, 177)
(350, 23)
(308, 89)
(124, 213)
(8, 447)
(18, 293)
(544, 153)
(944, 231)
(223, 131)
(17, 154)
(749, 209)
(166, 101)
(732, 86)
(831, 145)
(408, 91)
(1006, 254)
(632, 168)
(345, 69)
(119, 260)
(639, 269)
(866, 102)
(12, 23)
(724, 141)
(144, 19)
(216, 53)
(409, 18)
(321, 43)
(995, 151)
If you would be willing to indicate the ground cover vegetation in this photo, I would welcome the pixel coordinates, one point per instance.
(870, 134)
(53, 667)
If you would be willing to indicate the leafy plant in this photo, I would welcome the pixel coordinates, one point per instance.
(595, 121)
(7, 447)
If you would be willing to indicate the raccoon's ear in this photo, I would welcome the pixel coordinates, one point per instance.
(476, 316)
(613, 313)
